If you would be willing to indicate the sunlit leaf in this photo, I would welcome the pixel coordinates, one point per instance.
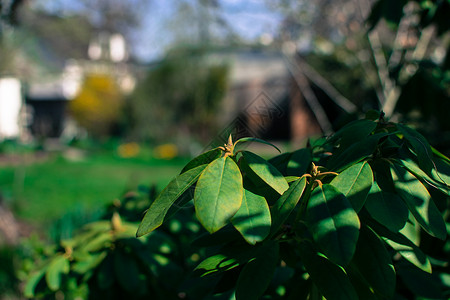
(419, 202)
(228, 258)
(412, 253)
(286, 203)
(159, 208)
(32, 282)
(420, 145)
(281, 162)
(252, 219)
(299, 162)
(264, 170)
(334, 223)
(387, 208)
(355, 183)
(218, 194)
(374, 263)
(58, 266)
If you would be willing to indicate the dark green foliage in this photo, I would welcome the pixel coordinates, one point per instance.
(104, 260)
(354, 216)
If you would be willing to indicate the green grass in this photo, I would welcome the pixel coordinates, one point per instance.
(42, 192)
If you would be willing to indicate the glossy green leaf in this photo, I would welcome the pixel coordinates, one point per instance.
(334, 223)
(420, 145)
(387, 208)
(202, 159)
(442, 174)
(353, 132)
(419, 202)
(252, 139)
(281, 210)
(437, 180)
(411, 253)
(159, 208)
(299, 162)
(280, 162)
(58, 266)
(355, 183)
(331, 279)
(257, 274)
(218, 195)
(228, 258)
(374, 263)
(264, 170)
(354, 153)
(252, 219)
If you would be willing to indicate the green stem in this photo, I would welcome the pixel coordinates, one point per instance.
(304, 201)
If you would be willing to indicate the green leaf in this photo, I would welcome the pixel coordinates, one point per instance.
(229, 257)
(422, 284)
(334, 223)
(252, 139)
(354, 153)
(264, 170)
(387, 208)
(411, 253)
(281, 162)
(33, 281)
(437, 181)
(420, 145)
(218, 195)
(257, 274)
(252, 219)
(353, 132)
(331, 279)
(58, 266)
(355, 183)
(281, 210)
(159, 208)
(299, 162)
(374, 263)
(419, 202)
(442, 174)
(203, 159)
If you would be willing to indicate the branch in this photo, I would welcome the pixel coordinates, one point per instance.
(308, 94)
(326, 86)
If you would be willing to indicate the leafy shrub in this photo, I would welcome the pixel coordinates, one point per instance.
(356, 216)
(104, 260)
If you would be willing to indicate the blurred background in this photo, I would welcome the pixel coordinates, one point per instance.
(100, 97)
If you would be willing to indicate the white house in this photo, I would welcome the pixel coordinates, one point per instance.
(10, 106)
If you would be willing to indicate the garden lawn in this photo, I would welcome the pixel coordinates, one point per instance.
(44, 191)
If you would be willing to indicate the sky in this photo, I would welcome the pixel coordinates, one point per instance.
(251, 19)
